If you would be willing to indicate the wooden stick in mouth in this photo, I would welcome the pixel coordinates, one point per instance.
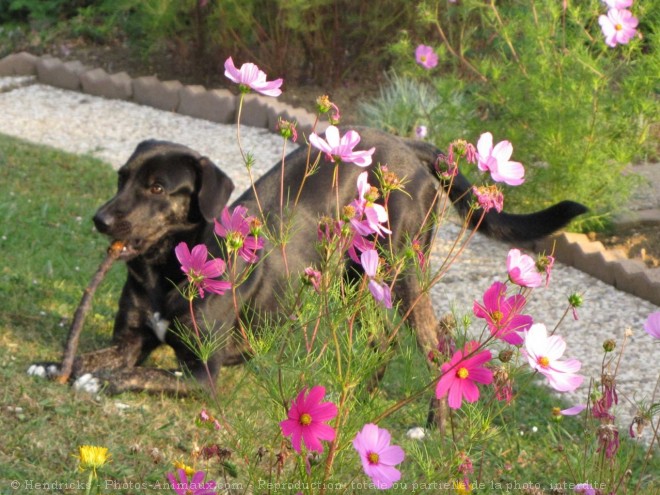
(83, 308)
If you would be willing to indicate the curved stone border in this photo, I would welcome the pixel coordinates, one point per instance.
(216, 105)
(611, 266)
(220, 105)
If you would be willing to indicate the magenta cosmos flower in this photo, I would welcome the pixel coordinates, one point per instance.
(522, 269)
(250, 77)
(495, 159)
(461, 374)
(618, 26)
(503, 314)
(194, 486)
(380, 290)
(201, 272)
(378, 456)
(426, 57)
(652, 325)
(340, 148)
(307, 418)
(238, 230)
(543, 354)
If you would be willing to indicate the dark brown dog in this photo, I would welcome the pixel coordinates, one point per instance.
(168, 193)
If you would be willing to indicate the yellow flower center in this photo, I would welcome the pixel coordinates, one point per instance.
(423, 58)
(373, 458)
(462, 373)
(235, 241)
(618, 27)
(497, 316)
(305, 419)
(543, 361)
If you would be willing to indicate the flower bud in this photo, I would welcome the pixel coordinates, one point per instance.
(287, 129)
(323, 104)
(609, 345)
(505, 355)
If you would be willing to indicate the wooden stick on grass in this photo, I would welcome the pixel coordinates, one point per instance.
(83, 308)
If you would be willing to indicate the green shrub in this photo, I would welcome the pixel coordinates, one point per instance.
(540, 75)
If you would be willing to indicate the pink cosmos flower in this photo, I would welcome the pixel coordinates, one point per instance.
(341, 148)
(608, 440)
(489, 197)
(250, 77)
(238, 231)
(618, 4)
(418, 252)
(543, 354)
(378, 456)
(619, 26)
(522, 269)
(369, 216)
(461, 373)
(195, 486)
(503, 314)
(307, 418)
(206, 418)
(201, 272)
(380, 290)
(426, 57)
(358, 243)
(584, 489)
(503, 385)
(573, 411)
(312, 277)
(652, 325)
(496, 161)
(545, 263)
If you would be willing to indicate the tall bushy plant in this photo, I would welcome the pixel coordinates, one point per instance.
(540, 73)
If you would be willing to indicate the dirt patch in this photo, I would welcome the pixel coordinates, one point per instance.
(167, 65)
(640, 242)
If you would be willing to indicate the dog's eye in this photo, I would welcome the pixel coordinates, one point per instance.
(156, 189)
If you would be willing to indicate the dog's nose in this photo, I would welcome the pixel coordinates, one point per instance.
(103, 221)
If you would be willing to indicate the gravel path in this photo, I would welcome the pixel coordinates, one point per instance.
(110, 130)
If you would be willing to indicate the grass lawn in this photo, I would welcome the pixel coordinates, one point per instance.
(49, 252)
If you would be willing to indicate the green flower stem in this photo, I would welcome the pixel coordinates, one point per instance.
(245, 159)
(286, 264)
(214, 392)
(92, 476)
(308, 167)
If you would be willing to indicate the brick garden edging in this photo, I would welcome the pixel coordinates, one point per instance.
(220, 105)
(216, 105)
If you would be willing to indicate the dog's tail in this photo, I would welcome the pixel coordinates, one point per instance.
(504, 226)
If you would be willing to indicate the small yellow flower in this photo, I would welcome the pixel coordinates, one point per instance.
(461, 488)
(92, 457)
(182, 465)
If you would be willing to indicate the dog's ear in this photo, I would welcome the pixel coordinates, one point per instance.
(214, 189)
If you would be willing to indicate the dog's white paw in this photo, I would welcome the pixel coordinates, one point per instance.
(87, 383)
(43, 371)
(416, 433)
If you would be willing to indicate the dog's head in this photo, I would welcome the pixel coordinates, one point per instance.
(164, 190)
